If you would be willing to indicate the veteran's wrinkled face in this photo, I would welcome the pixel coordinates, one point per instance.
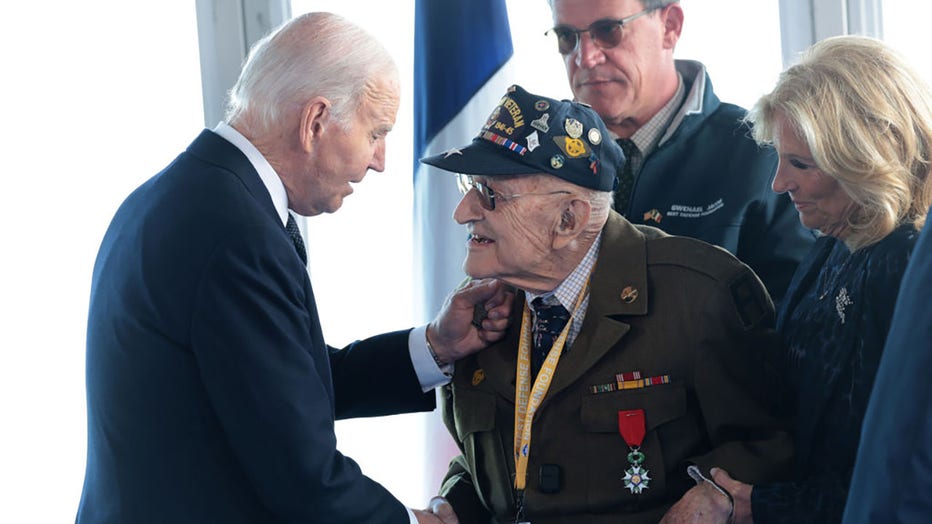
(513, 242)
(820, 200)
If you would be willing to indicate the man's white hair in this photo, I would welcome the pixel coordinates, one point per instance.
(316, 54)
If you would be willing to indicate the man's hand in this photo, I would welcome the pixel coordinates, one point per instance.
(702, 504)
(458, 330)
(439, 511)
(426, 517)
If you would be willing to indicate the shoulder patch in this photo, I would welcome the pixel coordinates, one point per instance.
(751, 300)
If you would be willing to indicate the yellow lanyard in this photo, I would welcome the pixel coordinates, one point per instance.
(528, 399)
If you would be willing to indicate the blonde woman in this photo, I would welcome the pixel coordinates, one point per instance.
(852, 125)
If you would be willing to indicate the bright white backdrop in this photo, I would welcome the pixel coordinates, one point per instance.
(99, 95)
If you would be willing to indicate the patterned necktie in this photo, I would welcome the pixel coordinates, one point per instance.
(549, 323)
(626, 176)
(292, 228)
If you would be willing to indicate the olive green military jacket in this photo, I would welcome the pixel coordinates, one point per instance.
(660, 305)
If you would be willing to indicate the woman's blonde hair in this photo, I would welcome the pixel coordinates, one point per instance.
(866, 116)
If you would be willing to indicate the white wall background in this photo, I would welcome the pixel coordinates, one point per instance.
(99, 95)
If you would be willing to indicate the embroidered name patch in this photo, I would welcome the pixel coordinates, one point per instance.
(683, 211)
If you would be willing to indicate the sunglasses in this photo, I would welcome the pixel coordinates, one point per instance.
(487, 196)
(605, 33)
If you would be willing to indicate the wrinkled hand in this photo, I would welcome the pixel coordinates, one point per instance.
(439, 511)
(426, 517)
(702, 504)
(740, 492)
(440, 507)
(455, 332)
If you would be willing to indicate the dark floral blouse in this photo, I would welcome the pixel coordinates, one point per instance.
(834, 322)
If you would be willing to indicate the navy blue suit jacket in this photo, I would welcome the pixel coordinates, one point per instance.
(892, 478)
(211, 393)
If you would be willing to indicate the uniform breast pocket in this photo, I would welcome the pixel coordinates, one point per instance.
(607, 461)
(473, 412)
(474, 416)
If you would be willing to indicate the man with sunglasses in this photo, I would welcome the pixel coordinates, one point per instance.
(693, 168)
(633, 354)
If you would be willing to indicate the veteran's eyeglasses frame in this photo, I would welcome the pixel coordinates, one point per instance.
(487, 196)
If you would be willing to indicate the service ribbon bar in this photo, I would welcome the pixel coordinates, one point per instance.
(644, 382)
(602, 388)
(504, 142)
(632, 380)
(630, 375)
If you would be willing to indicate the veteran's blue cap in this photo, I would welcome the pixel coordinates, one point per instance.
(529, 134)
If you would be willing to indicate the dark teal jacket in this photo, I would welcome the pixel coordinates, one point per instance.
(708, 179)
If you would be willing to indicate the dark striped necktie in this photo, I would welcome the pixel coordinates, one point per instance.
(626, 176)
(548, 324)
(292, 228)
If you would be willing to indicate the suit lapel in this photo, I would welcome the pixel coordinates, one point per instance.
(814, 388)
(214, 149)
(500, 360)
(622, 264)
(803, 279)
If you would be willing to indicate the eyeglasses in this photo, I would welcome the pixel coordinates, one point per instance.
(487, 196)
(605, 33)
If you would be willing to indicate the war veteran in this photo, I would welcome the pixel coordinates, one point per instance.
(634, 354)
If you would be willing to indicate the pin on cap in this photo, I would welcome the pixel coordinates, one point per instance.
(531, 134)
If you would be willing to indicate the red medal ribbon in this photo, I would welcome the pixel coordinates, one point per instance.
(632, 427)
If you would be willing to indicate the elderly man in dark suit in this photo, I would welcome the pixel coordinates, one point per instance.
(639, 354)
(211, 392)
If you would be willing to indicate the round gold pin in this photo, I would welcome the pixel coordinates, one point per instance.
(629, 294)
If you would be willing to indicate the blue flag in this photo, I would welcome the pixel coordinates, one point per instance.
(461, 52)
(461, 48)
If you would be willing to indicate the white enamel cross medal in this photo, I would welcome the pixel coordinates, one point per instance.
(632, 427)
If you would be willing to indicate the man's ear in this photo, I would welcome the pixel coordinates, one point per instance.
(315, 115)
(574, 217)
(672, 16)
